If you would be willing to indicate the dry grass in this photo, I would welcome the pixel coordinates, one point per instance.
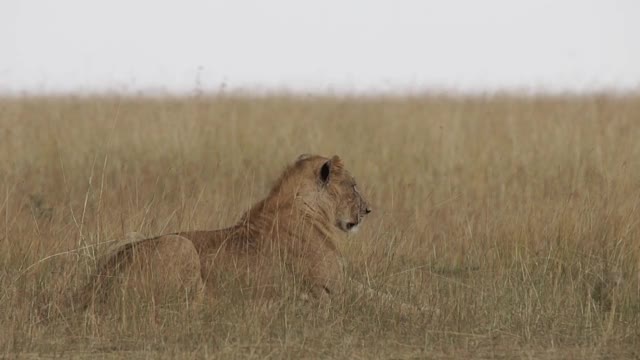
(517, 218)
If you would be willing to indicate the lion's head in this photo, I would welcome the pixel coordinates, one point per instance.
(331, 189)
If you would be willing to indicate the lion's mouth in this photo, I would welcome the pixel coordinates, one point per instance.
(349, 226)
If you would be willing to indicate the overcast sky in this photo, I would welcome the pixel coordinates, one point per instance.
(361, 46)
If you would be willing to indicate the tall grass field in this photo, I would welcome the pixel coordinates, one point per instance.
(514, 219)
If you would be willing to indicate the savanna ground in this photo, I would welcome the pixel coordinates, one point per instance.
(516, 218)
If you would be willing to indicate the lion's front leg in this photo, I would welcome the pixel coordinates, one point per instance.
(324, 277)
(387, 299)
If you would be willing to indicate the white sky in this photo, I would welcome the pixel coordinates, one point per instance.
(358, 46)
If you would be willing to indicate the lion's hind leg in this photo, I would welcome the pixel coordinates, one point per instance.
(166, 270)
(163, 271)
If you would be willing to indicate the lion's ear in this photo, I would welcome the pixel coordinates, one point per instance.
(325, 172)
(303, 157)
(330, 168)
(336, 163)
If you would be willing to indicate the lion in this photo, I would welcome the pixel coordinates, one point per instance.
(294, 230)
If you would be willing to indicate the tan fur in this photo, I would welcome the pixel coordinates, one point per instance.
(293, 230)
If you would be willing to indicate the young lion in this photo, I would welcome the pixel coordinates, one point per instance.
(294, 229)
